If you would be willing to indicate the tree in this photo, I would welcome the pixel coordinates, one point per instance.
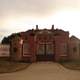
(6, 40)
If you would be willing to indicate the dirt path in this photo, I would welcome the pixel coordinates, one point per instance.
(43, 71)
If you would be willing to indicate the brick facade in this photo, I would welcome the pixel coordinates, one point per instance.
(74, 48)
(41, 45)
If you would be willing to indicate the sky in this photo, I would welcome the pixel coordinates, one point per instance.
(21, 15)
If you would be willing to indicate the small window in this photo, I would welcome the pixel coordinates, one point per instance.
(75, 49)
(25, 49)
(15, 49)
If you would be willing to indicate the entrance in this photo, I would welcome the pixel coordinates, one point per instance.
(45, 52)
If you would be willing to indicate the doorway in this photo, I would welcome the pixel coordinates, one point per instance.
(45, 52)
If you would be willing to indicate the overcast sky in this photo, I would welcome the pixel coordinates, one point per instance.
(21, 15)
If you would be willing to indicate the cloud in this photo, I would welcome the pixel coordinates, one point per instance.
(27, 7)
(62, 4)
(35, 8)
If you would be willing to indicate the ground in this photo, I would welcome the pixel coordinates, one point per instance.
(43, 71)
(10, 66)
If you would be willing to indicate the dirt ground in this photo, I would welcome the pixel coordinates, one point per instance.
(43, 71)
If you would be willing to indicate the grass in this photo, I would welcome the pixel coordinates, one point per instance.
(9, 66)
(74, 65)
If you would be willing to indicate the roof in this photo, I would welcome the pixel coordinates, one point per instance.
(74, 38)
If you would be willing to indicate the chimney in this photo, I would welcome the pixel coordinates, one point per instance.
(52, 27)
(36, 27)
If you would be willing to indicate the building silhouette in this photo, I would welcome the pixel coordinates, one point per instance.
(44, 45)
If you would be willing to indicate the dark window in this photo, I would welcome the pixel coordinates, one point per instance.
(32, 34)
(15, 49)
(75, 49)
(26, 38)
(56, 34)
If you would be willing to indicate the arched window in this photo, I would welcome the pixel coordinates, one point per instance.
(25, 49)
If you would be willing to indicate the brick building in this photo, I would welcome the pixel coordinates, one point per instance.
(40, 45)
(74, 48)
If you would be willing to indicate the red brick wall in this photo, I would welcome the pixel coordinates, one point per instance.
(33, 38)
